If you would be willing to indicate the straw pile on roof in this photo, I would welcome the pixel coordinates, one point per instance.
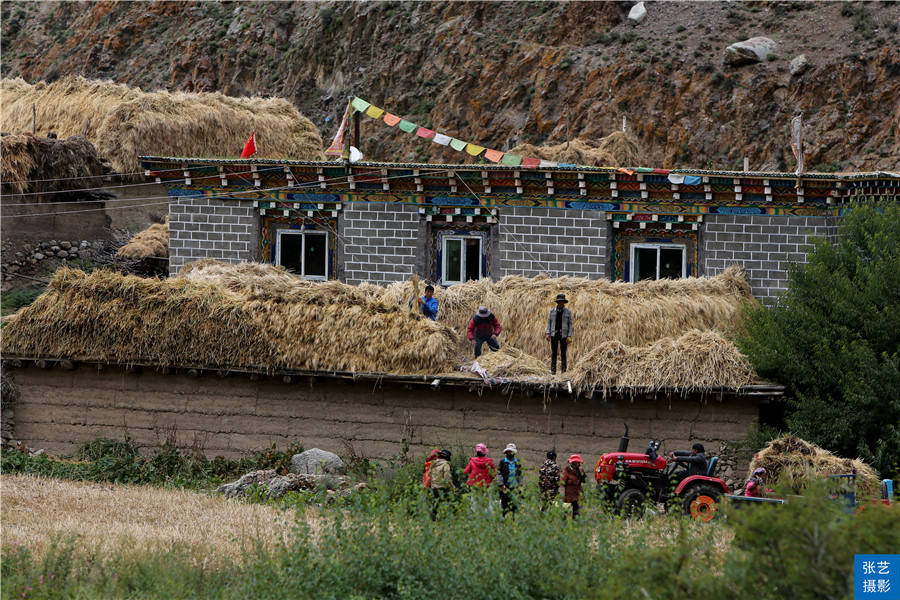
(512, 362)
(634, 314)
(615, 150)
(30, 164)
(151, 242)
(695, 360)
(793, 462)
(106, 316)
(125, 122)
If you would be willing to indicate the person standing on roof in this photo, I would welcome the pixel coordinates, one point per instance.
(509, 478)
(559, 332)
(480, 469)
(549, 480)
(484, 328)
(428, 303)
(572, 480)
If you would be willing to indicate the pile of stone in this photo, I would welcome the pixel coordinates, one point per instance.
(32, 254)
(313, 469)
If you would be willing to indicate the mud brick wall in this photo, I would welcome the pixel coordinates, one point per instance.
(381, 242)
(226, 230)
(229, 416)
(555, 241)
(764, 245)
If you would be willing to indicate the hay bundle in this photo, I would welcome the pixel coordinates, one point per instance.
(512, 362)
(615, 150)
(151, 242)
(635, 314)
(793, 462)
(125, 122)
(45, 165)
(695, 360)
(107, 316)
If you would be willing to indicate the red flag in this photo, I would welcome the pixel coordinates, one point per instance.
(250, 146)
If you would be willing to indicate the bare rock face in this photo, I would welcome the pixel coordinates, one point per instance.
(317, 462)
(637, 13)
(754, 50)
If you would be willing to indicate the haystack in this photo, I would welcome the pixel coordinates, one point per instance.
(124, 122)
(793, 462)
(109, 317)
(511, 362)
(615, 150)
(634, 314)
(694, 361)
(151, 242)
(36, 165)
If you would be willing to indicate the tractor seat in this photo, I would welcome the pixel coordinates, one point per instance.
(713, 463)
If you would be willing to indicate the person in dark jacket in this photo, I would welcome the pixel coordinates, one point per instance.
(483, 328)
(694, 462)
(559, 331)
(509, 478)
(549, 480)
(572, 479)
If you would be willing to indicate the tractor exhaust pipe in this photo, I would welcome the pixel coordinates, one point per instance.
(623, 441)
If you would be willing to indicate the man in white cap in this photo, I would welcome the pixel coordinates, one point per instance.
(483, 328)
(510, 476)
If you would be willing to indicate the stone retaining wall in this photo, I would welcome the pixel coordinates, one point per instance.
(58, 409)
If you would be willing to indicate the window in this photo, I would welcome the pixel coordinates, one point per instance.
(462, 259)
(657, 261)
(303, 252)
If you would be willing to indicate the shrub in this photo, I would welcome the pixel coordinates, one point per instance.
(833, 339)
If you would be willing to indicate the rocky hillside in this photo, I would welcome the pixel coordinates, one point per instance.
(505, 73)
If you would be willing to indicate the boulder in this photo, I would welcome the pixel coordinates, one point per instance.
(239, 487)
(637, 13)
(754, 50)
(799, 64)
(317, 462)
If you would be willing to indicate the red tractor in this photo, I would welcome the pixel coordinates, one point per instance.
(629, 481)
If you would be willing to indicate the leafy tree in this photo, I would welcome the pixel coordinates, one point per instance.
(833, 339)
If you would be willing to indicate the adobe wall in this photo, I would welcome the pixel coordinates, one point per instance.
(58, 409)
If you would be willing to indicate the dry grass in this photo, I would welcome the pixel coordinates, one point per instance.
(792, 462)
(615, 150)
(512, 362)
(181, 321)
(125, 122)
(153, 241)
(696, 360)
(25, 158)
(114, 518)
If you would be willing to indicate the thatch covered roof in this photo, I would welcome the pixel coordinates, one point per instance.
(151, 242)
(793, 462)
(34, 165)
(615, 150)
(125, 122)
(648, 335)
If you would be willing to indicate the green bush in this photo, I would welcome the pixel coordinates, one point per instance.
(15, 299)
(833, 339)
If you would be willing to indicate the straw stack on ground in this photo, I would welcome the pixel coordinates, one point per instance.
(615, 150)
(634, 314)
(106, 316)
(124, 122)
(151, 242)
(793, 462)
(37, 165)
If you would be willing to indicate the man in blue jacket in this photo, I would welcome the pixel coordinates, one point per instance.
(428, 303)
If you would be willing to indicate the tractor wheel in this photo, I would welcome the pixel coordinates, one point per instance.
(701, 502)
(631, 503)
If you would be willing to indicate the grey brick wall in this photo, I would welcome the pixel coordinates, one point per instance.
(209, 228)
(764, 245)
(555, 241)
(380, 242)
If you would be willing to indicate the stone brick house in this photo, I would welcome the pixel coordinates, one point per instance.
(383, 222)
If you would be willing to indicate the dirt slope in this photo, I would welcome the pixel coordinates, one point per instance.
(503, 73)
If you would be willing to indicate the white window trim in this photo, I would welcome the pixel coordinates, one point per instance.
(462, 272)
(303, 234)
(635, 247)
